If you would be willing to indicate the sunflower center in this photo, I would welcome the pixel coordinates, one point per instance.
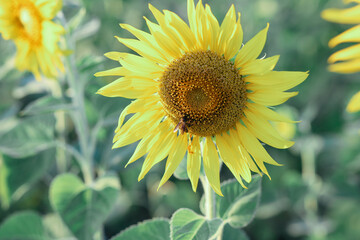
(203, 92)
(30, 22)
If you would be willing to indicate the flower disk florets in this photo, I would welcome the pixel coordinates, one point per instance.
(203, 91)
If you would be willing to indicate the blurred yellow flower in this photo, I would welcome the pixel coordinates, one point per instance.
(199, 93)
(348, 59)
(287, 130)
(28, 23)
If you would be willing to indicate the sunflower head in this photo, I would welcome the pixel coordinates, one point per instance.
(28, 23)
(200, 94)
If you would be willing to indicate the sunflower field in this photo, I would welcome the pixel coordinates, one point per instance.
(179, 119)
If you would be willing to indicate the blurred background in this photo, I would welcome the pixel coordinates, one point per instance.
(314, 195)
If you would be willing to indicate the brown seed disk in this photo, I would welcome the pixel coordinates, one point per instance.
(204, 91)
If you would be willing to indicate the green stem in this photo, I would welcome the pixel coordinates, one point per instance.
(308, 158)
(60, 127)
(79, 118)
(210, 207)
(79, 115)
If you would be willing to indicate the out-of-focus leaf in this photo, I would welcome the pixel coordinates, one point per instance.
(230, 233)
(75, 21)
(181, 171)
(19, 173)
(238, 206)
(83, 208)
(30, 136)
(47, 104)
(56, 228)
(25, 225)
(187, 225)
(155, 229)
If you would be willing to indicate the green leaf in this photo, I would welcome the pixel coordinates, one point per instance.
(56, 228)
(25, 225)
(83, 208)
(47, 104)
(230, 233)
(75, 21)
(187, 225)
(18, 174)
(181, 170)
(30, 136)
(238, 206)
(154, 229)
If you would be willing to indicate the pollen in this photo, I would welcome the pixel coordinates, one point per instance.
(203, 92)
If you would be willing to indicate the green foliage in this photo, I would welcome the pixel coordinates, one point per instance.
(238, 206)
(47, 104)
(25, 225)
(181, 172)
(29, 136)
(83, 208)
(155, 229)
(31, 169)
(186, 225)
(230, 233)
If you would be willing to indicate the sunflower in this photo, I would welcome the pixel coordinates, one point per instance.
(348, 59)
(28, 23)
(200, 94)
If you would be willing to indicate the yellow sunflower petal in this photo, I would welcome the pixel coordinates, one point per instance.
(350, 35)
(247, 147)
(113, 55)
(191, 15)
(254, 147)
(182, 28)
(170, 31)
(176, 155)
(354, 104)
(158, 152)
(212, 28)
(129, 88)
(135, 128)
(144, 49)
(146, 37)
(259, 66)
(212, 165)
(194, 162)
(264, 131)
(352, 66)
(245, 158)
(118, 71)
(227, 154)
(345, 16)
(252, 48)
(235, 41)
(279, 81)
(139, 105)
(270, 97)
(169, 46)
(148, 141)
(345, 54)
(266, 113)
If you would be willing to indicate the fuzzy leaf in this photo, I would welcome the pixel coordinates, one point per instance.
(238, 206)
(155, 229)
(187, 225)
(83, 208)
